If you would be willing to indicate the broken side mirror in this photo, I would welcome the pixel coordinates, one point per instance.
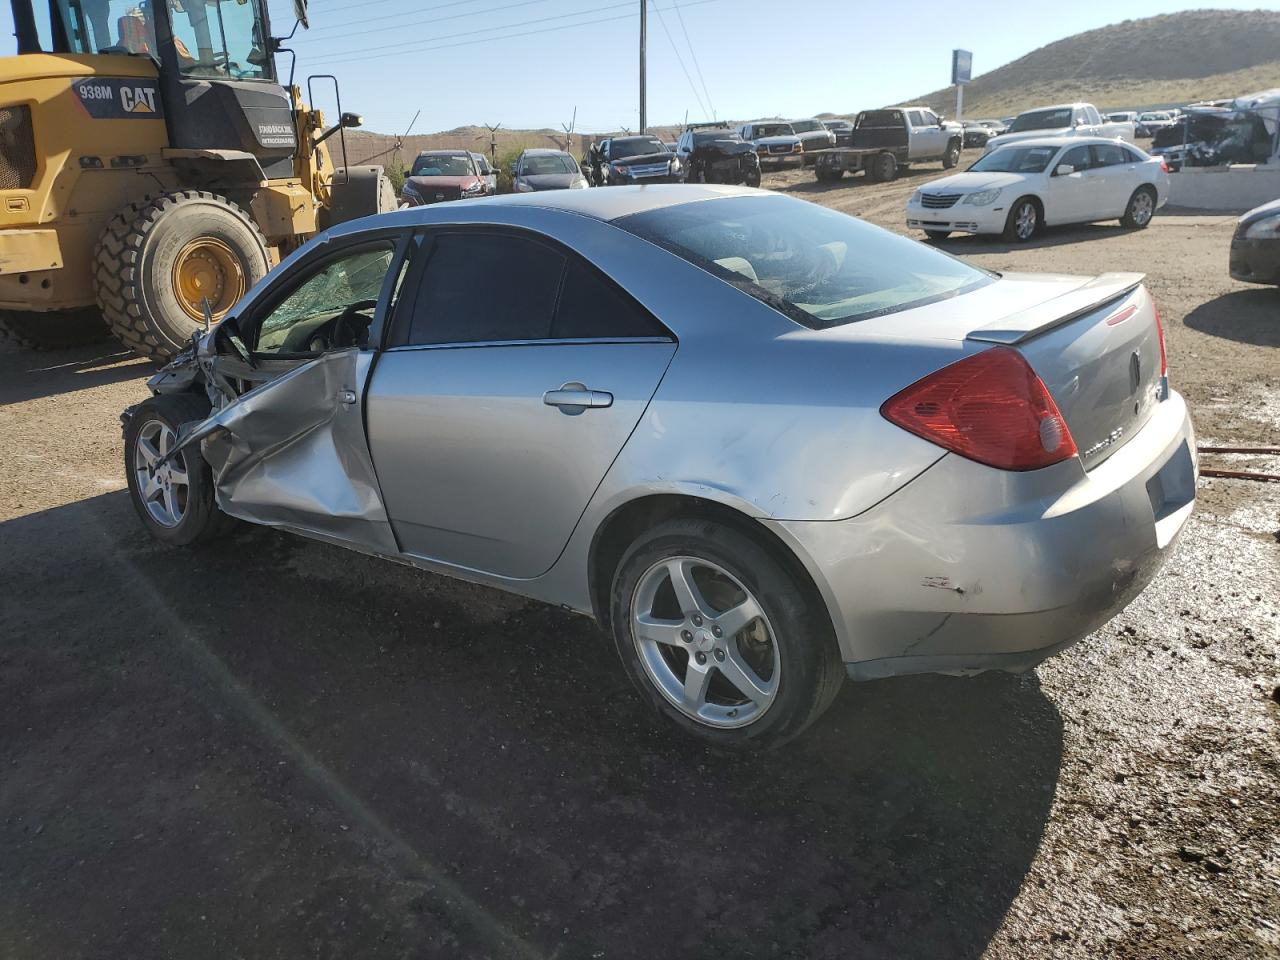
(228, 331)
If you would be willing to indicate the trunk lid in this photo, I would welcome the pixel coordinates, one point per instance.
(1097, 349)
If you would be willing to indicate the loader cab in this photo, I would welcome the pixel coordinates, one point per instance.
(218, 88)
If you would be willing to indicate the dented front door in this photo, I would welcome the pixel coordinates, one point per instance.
(292, 453)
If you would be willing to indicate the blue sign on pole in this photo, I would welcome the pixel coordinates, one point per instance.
(961, 66)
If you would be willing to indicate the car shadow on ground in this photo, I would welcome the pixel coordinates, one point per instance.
(273, 742)
(1248, 316)
(29, 374)
(1046, 237)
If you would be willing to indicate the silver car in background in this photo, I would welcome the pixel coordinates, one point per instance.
(545, 169)
(767, 445)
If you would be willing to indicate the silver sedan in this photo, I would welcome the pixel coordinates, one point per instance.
(765, 444)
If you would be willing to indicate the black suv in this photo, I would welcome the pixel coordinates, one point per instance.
(713, 153)
(621, 160)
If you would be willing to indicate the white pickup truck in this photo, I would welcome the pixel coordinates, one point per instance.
(1063, 120)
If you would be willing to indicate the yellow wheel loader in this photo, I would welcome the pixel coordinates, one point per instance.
(153, 168)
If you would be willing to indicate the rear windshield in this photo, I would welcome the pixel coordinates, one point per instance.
(537, 166)
(774, 130)
(805, 126)
(1015, 159)
(442, 165)
(881, 118)
(820, 267)
(1041, 120)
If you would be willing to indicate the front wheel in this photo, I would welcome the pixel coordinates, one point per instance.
(1141, 208)
(952, 156)
(720, 638)
(1023, 221)
(752, 179)
(173, 496)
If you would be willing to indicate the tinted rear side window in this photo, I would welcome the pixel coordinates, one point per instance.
(479, 287)
(593, 307)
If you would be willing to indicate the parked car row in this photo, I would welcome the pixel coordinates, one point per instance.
(1064, 119)
(886, 141)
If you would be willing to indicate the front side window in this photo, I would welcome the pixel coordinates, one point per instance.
(332, 308)
(217, 39)
(817, 266)
(930, 118)
(107, 26)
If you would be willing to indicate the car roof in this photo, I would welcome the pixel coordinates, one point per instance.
(446, 153)
(1065, 140)
(599, 204)
(544, 152)
(637, 136)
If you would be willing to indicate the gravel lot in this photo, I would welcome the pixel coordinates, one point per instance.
(274, 748)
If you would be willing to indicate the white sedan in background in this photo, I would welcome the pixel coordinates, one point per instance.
(1019, 188)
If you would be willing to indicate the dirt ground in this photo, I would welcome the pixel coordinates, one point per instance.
(274, 748)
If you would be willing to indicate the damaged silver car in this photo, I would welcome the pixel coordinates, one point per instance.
(765, 444)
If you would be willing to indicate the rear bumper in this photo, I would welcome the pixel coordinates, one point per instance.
(961, 218)
(968, 568)
(1255, 261)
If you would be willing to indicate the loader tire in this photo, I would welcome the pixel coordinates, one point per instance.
(53, 330)
(158, 259)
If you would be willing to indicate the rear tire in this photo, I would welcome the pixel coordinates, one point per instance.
(137, 275)
(752, 178)
(55, 329)
(171, 513)
(884, 168)
(1023, 222)
(790, 638)
(1140, 210)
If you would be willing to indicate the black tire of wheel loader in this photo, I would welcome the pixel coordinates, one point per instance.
(54, 330)
(133, 265)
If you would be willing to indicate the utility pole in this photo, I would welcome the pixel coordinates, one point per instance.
(644, 27)
(493, 142)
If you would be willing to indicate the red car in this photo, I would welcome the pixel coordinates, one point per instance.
(439, 175)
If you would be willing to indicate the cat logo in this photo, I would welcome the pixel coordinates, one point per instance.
(138, 99)
(119, 98)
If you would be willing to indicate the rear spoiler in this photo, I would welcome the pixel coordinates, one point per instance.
(1089, 296)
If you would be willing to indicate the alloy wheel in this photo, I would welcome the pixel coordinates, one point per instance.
(1142, 208)
(164, 488)
(705, 642)
(1025, 223)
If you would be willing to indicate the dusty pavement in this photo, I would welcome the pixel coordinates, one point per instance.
(273, 748)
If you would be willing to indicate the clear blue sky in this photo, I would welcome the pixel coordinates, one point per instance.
(757, 57)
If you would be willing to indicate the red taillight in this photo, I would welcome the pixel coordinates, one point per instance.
(1164, 359)
(991, 407)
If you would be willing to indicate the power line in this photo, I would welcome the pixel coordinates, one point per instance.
(352, 54)
(415, 23)
(428, 45)
(694, 55)
(679, 59)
